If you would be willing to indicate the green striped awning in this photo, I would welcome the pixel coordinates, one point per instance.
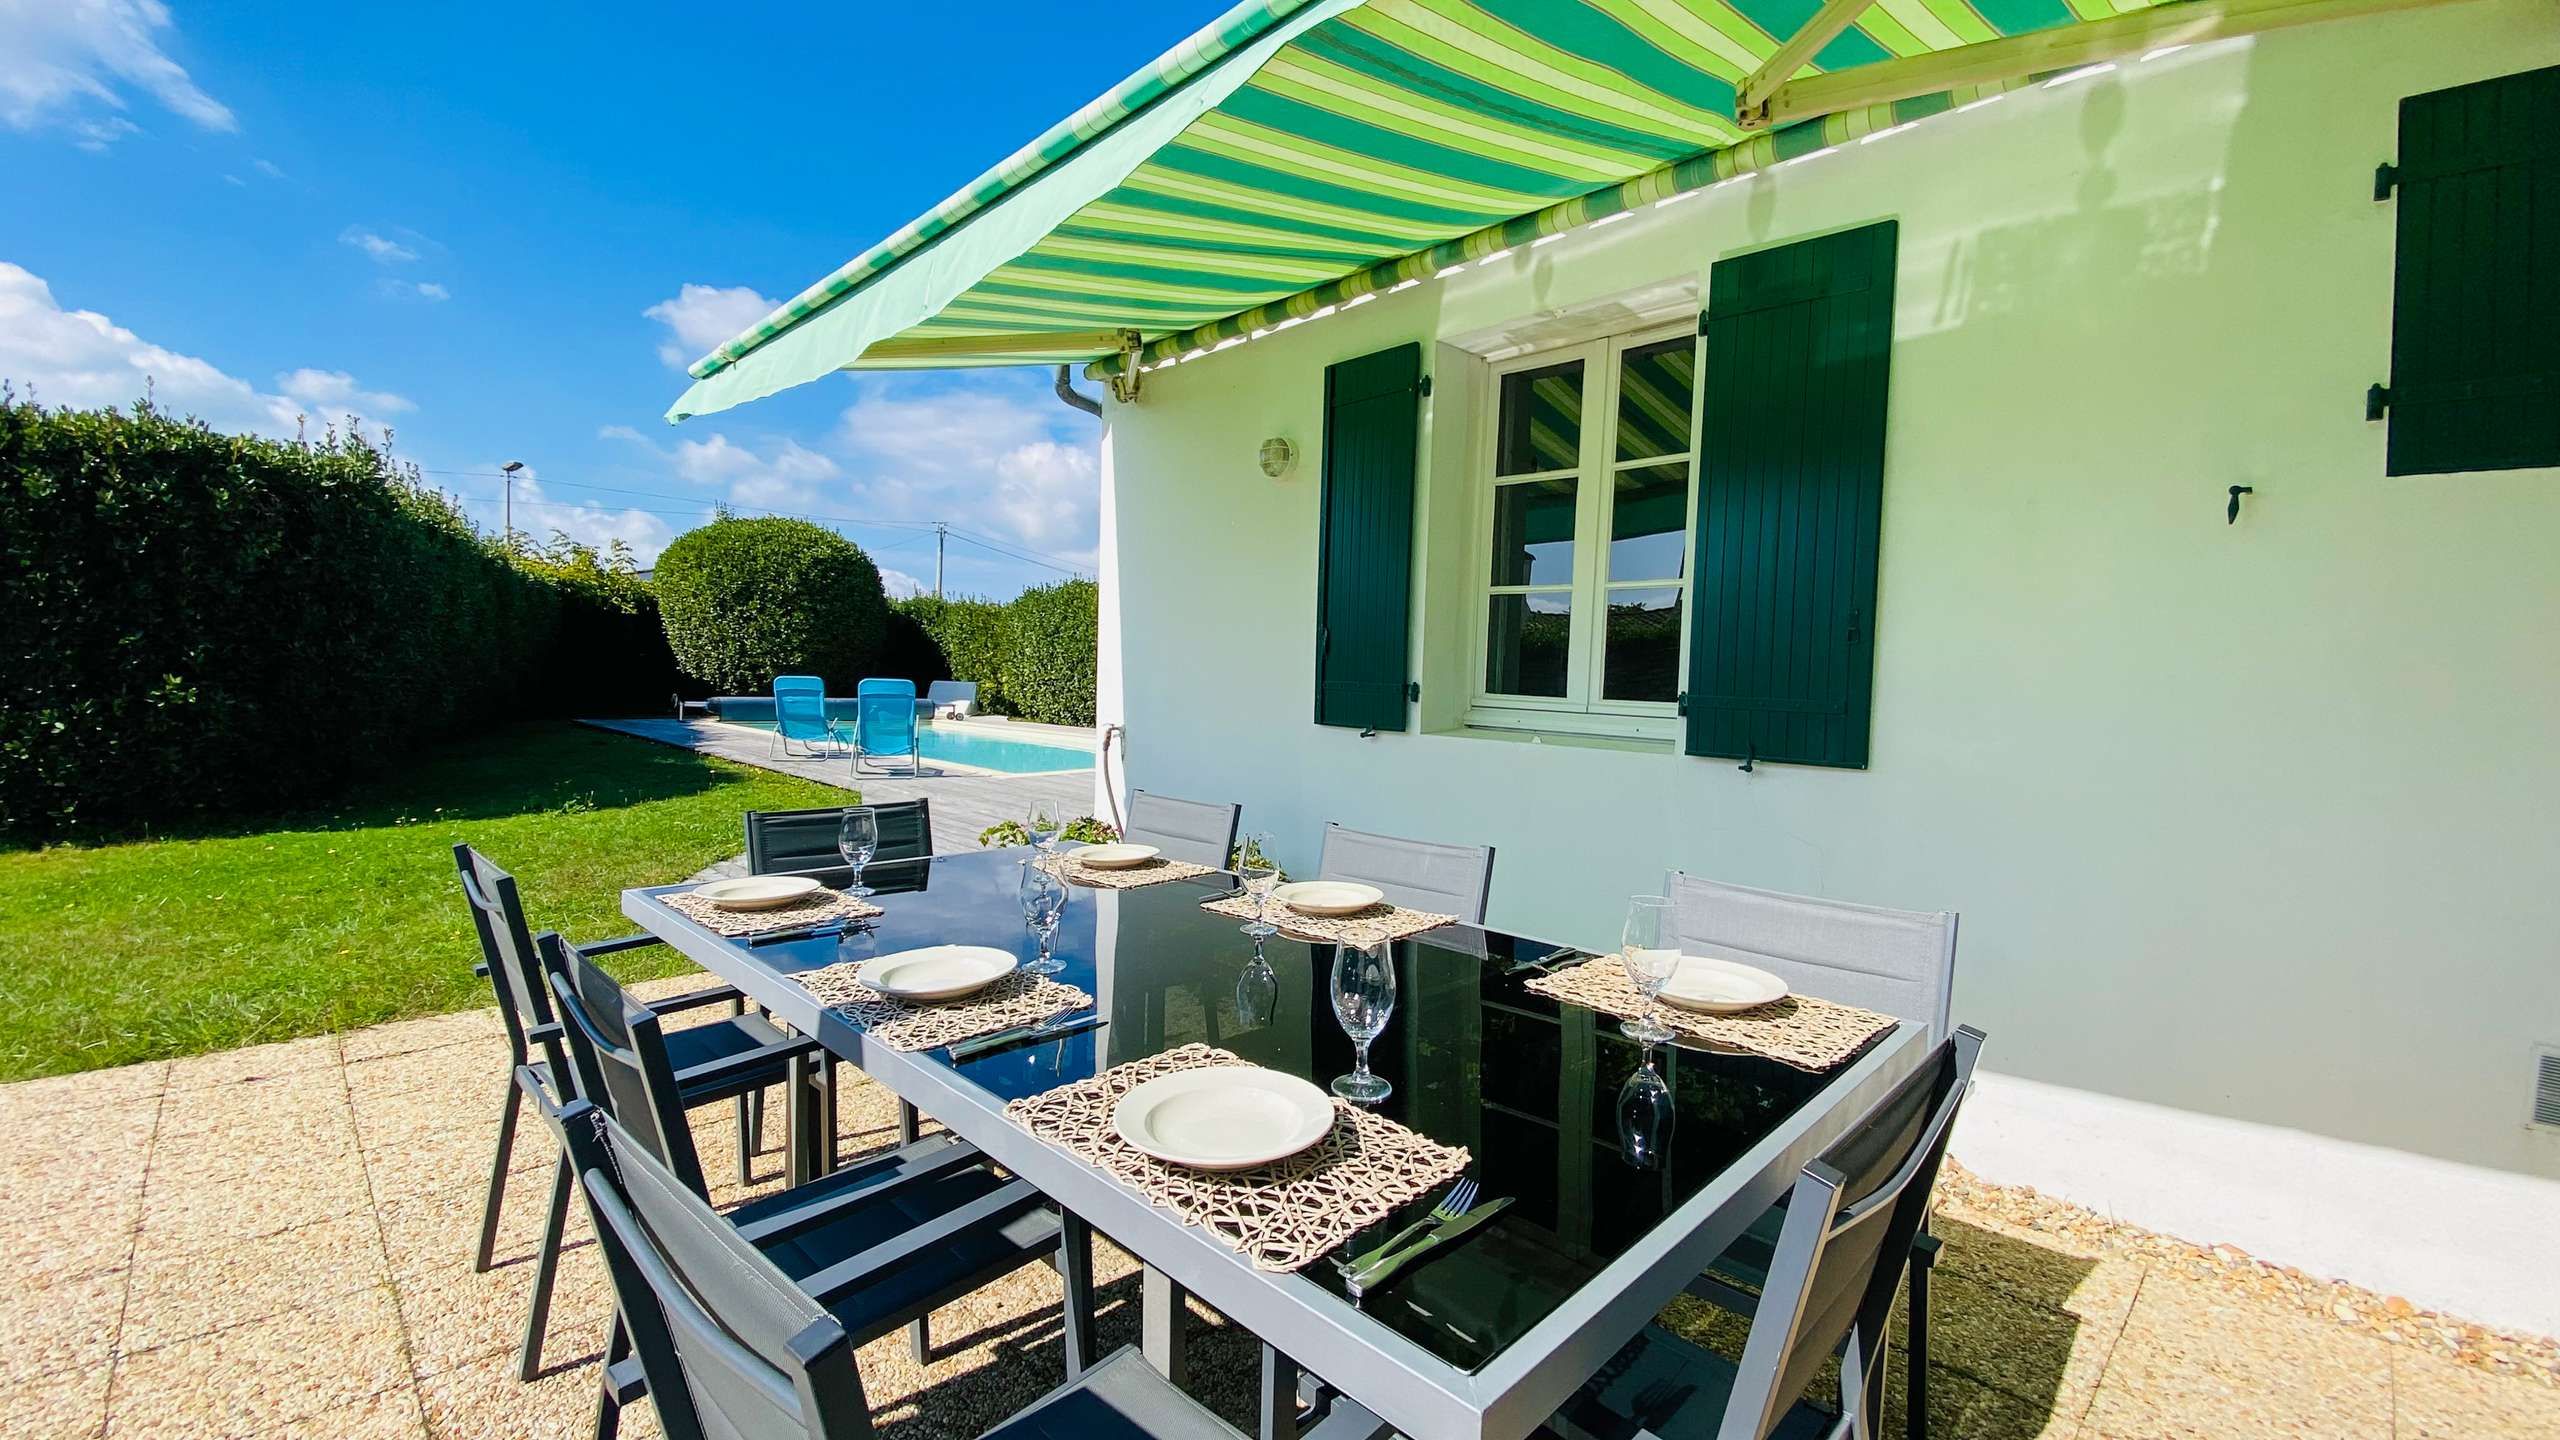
(1302, 153)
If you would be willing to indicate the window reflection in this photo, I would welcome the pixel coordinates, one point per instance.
(1649, 523)
(1541, 426)
(1654, 385)
(1533, 533)
(1527, 640)
(1643, 661)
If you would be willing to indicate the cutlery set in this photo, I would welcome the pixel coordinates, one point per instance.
(1455, 1217)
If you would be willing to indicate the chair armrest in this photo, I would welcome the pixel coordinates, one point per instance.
(616, 947)
(481, 970)
(693, 1000)
(746, 1062)
(547, 1030)
(993, 1208)
(624, 1381)
(951, 1152)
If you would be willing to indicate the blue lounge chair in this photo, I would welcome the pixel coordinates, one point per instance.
(800, 713)
(884, 726)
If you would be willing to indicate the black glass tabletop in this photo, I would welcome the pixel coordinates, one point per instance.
(1594, 1138)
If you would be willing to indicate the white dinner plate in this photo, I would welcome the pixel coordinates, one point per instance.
(1327, 897)
(1113, 857)
(1721, 987)
(1223, 1117)
(757, 892)
(936, 972)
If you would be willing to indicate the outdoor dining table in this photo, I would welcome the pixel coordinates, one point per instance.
(1487, 1338)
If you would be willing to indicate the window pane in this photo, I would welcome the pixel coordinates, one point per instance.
(1643, 660)
(1525, 644)
(1654, 386)
(1533, 533)
(1541, 420)
(1649, 523)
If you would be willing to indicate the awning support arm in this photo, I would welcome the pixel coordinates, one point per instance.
(1124, 381)
(2066, 47)
(1750, 104)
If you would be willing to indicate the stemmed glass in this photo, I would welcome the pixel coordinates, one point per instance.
(1651, 953)
(857, 840)
(1364, 995)
(1255, 868)
(1645, 1116)
(1044, 824)
(1257, 991)
(1044, 904)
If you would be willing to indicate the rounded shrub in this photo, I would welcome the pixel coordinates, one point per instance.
(745, 600)
(1050, 651)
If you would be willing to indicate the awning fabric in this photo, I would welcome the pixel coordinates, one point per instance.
(1303, 153)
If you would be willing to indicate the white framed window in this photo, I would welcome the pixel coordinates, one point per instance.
(1587, 481)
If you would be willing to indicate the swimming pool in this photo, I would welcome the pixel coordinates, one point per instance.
(972, 745)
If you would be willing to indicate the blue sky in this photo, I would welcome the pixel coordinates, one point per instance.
(503, 229)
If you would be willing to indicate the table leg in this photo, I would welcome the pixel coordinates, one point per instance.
(1164, 1326)
(808, 1111)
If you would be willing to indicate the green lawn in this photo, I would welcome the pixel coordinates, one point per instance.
(264, 931)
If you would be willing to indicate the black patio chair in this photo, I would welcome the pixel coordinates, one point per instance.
(873, 1247)
(797, 842)
(1831, 1287)
(513, 967)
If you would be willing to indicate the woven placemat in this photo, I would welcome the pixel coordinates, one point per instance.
(818, 909)
(1802, 1031)
(1283, 1216)
(1018, 999)
(1376, 925)
(1121, 877)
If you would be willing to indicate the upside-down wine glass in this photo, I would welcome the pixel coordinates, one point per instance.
(1044, 824)
(1255, 868)
(857, 840)
(1645, 1116)
(1364, 996)
(1257, 990)
(1651, 953)
(1044, 904)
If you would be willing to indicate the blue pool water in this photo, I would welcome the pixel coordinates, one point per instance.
(971, 746)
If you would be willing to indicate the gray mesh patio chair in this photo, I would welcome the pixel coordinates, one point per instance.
(1895, 962)
(746, 1324)
(1189, 830)
(1830, 1292)
(536, 1065)
(796, 842)
(1417, 874)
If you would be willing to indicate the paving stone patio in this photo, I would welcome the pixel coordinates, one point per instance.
(276, 1242)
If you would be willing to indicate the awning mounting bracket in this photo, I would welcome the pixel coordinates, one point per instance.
(1124, 381)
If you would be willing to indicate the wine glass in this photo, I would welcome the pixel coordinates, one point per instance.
(1364, 995)
(1257, 991)
(1651, 953)
(857, 840)
(1044, 904)
(1645, 1116)
(1044, 824)
(1255, 868)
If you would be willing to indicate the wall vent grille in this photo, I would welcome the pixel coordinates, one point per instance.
(2546, 1087)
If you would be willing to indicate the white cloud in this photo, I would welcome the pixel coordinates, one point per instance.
(429, 290)
(900, 584)
(67, 59)
(268, 168)
(336, 389)
(384, 251)
(537, 515)
(81, 359)
(983, 456)
(703, 316)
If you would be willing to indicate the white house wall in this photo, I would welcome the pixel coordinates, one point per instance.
(2252, 827)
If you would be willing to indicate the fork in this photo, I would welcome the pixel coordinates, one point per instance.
(1460, 1199)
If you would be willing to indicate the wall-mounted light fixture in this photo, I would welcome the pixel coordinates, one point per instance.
(1277, 456)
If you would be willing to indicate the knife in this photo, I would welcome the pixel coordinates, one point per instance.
(1363, 1281)
(1020, 1034)
(809, 932)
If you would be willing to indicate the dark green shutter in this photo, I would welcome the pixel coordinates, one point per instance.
(2475, 305)
(1790, 490)
(1364, 564)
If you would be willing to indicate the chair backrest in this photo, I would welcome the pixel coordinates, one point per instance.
(786, 842)
(800, 707)
(960, 695)
(885, 724)
(730, 1346)
(1190, 830)
(1417, 874)
(1896, 962)
(620, 1057)
(515, 967)
(1838, 1264)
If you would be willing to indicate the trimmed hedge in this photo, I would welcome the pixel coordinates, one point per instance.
(194, 623)
(1034, 657)
(745, 600)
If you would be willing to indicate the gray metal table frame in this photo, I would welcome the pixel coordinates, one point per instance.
(1405, 1386)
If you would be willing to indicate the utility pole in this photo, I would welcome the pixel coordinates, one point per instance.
(509, 470)
(939, 530)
